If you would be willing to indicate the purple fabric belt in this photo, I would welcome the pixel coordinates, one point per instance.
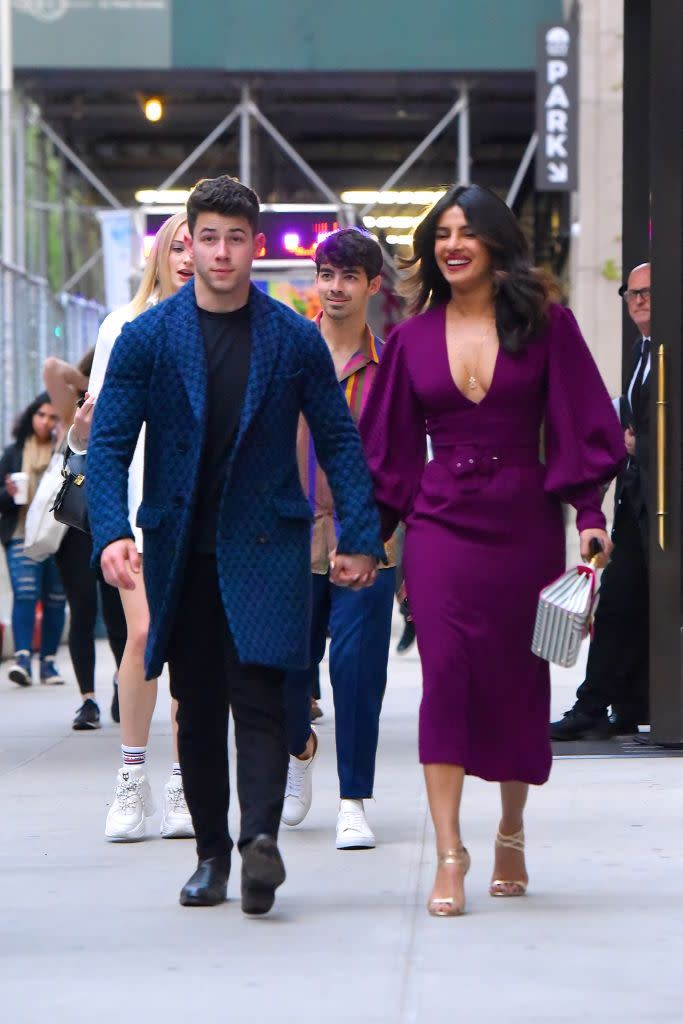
(471, 461)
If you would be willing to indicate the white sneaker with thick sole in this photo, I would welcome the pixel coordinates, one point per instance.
(299, 791)
(176, 820)
(353, 831)
(132, 804)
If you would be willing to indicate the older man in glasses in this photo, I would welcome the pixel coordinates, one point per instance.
(617, 670)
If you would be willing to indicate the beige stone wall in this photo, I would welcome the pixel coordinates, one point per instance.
(596, 247)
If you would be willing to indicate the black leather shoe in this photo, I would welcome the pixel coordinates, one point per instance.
(208, 885)
(621, 725)
(262, 872)
(407, 639)
(577, 725)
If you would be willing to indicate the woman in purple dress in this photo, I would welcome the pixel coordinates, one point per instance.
(502, 381)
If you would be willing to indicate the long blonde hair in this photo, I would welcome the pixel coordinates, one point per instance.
(156, 278)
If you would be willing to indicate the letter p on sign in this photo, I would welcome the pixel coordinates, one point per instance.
(557, 69)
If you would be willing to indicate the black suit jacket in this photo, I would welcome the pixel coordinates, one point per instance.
(635, 478)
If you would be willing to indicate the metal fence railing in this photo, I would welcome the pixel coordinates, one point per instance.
(37, 324)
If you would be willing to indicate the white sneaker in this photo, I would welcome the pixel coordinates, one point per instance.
(132, 804)
(353, 831)
(299, 791)
(176, 820)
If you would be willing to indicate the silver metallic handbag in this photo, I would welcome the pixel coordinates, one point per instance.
(565, 615)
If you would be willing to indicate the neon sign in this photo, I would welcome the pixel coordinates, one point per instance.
(296, 234)
(292, 234)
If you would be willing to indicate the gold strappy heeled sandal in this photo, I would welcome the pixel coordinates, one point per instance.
(502, 886)
(446, 906)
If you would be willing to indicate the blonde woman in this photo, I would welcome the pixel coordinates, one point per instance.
(168, 268)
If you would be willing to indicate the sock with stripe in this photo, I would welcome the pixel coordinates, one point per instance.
(133, 757)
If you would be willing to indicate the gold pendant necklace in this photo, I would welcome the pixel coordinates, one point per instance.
(472, 380)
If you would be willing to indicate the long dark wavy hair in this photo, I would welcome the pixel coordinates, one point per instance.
(522, 292)
(23, 425)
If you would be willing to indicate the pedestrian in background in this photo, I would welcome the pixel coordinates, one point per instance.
(168, 268)
(617, 671)
(66, 384)
(484, 362)
(22, 465)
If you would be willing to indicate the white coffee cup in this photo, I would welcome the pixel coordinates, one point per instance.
(20, 480)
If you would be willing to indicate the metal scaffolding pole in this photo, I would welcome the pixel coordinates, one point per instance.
(454, 112)
(20, 173)
(6, 89)
(245, 137)
(91, 262)
(529, 152)
(73, 158)
(295, 157)
(464, 137)
(202, 147)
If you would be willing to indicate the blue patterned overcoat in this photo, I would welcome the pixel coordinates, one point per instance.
(157, 376)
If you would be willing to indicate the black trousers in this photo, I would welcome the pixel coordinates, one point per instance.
(208, 680)
(81, 584)
(617, 672)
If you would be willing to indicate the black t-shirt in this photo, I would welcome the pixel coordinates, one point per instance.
(227, 342)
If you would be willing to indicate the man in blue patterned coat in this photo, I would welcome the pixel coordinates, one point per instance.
(219, 374)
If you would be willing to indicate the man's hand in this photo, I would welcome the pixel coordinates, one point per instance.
(83, 421)
(118, 561)
(586, 536)
(354, 571)
(630, 441)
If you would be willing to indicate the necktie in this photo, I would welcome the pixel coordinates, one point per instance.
(638, 382)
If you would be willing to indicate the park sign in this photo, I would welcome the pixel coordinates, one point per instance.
(557, 110)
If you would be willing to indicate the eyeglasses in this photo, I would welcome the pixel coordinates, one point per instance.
(631, 294)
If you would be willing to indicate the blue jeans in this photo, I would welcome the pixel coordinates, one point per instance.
(360, 628)
(32, 582)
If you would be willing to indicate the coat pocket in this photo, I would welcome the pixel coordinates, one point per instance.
(293, 508)
(149, 516)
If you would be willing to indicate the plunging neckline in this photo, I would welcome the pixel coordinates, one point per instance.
(458, 390)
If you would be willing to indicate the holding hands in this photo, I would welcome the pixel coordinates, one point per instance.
(354, 571)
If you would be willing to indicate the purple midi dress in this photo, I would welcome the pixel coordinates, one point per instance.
(484, 525)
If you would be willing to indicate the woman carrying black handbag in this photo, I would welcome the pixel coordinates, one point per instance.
(66, 385)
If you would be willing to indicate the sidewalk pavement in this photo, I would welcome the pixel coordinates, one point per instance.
(92, 931)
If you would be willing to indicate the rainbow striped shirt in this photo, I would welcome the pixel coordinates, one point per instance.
(356, 379)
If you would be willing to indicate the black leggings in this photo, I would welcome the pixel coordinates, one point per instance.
(80, 585)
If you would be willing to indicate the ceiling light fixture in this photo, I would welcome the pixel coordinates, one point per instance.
(420, 197)
(154, 109)
(166, 196)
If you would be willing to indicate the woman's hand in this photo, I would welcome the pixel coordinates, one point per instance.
(585, 538)
(83, 421)
(10, 486)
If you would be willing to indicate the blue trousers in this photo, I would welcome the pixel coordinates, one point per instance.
(359, 623)
(32, 582)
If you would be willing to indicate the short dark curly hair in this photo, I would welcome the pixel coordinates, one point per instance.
(350, 247)
(226, 196)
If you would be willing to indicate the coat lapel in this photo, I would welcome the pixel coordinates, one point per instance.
(264, 351)
(187, 345)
